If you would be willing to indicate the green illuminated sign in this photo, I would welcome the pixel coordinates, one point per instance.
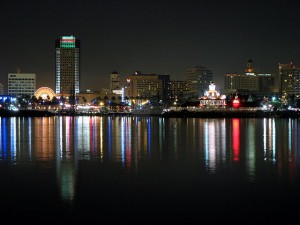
(67, 42)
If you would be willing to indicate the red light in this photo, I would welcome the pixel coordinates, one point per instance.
(236, 103)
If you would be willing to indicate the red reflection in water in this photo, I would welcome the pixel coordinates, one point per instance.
(236, 138)
(128, 147)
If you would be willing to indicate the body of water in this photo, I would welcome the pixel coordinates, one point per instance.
(139, 170)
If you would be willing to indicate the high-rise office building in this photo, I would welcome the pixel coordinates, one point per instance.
(148, 85)
(247, 81)
(241, 82)
(289, 80)
(67, 65)
(1, 89)
(178, 89)
(198, 79)
(114, 81)
(21, 84)
(250, 82)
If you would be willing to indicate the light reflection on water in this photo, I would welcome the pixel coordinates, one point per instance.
(213, 146)
(212, 142)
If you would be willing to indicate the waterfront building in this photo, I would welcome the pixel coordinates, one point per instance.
(21, 84)
(8, 102)
(241, 82)
(250, 81)
(148, 85)
(212, 98)
(244, 81)
(178, 89)
(45, 93)
(67, 65)
(266, 84)
(250, 71)
(198, 78)
(289, 80)
(114, 81)
(1, 89)
(44, 96)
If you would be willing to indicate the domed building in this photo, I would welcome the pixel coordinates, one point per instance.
(212, 97)
(44, 93)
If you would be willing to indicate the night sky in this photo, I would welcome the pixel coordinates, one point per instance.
(162, 37)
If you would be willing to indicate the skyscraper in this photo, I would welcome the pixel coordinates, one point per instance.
(289, 80)
(148, 85)
(198, 79)
(1, 89)
(67, 65)
(247, 81)
(114, 81)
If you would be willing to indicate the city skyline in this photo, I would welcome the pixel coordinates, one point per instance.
(149, 36)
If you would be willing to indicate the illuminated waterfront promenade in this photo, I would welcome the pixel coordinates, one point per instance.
(230, 113)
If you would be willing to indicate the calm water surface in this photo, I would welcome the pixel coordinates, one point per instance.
(138, 170)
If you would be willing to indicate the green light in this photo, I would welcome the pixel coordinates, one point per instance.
(67, 42)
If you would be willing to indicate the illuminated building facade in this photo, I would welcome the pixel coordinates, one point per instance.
(289, 79)
(178, 88)
(250, 81)
(44, 93)
(114, 81)
(1, 89)
(198, 78)
(212, 98)
(250, 69)
(266, 83)
(148, 85)
(241, 82)
(21, 84)
(246, 81)
(67, 65)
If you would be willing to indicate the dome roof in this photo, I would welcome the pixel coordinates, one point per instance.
(44, 92)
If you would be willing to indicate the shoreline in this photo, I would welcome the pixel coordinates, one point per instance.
(169, 114)
(232, 114)
(25, 113)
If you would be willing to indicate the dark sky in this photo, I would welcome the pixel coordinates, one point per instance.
(162, 37)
